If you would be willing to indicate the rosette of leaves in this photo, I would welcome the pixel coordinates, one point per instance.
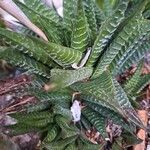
(85, 52)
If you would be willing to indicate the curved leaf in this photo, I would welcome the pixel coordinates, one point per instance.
(97, 120)
(126, 105)
(44, 52)
(20, 60)
(89, 6)
(80, 34)
(136, 54)
(69, 16)
(60, 144)
(124, 39)
(106, 32)
(131, 84)
(98, 89)
(52, 133)
(109, 114)
(46, 18)
(63, 78)
(26, 45)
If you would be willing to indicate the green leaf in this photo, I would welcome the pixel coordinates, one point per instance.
(99, 15)
(58, 97)
(97, 120)
(63, 78)
(131, 84)
(89, 6)
(109, 114)
(34, 116)
(19, 129)
(85, 123)
(126, 105)
(38, 7)
(24, 30)
(62, 121)
(44, 17)
(52, 133)
(136, 54)
(64, 56)
(98, 89)
(18, 59)
(119, 46)
(131, 32)
(71, 146)
(40, 106)
(106, 32)
(60, 144)
(26, 45)
(69, 16)
(43, 123)
(80, 34)
(142, 83)
(146, 12)
(117, 145)
(100, 3)
(133, 50)
(41, 51)
(130, 139)
(68, 130)
(108, 6)
(57, 109)
(115, 98)
(53, 31)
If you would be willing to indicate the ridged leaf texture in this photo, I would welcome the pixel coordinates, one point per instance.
(123, 40)
(34, 121)
(116, 98)
(99, 88)
(97, 120)
(60, 144)
(58, 97)
(41, 51)
(69, 16)
(131, 84)
(21, 60)
(80, 34)
(126, 106)
(137, 81)
(89, 6)
(93, 43)
(52, 133)
(136, 54)
(40, 15)
(67, 129)
(106, 32)
(109, 114)
(63, 78)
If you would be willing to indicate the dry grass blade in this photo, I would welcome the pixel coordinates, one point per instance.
(10, 7)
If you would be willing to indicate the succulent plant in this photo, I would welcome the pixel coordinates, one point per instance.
(77, 59)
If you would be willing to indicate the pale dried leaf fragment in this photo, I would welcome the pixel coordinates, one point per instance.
(76, 111)
(10, 7)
